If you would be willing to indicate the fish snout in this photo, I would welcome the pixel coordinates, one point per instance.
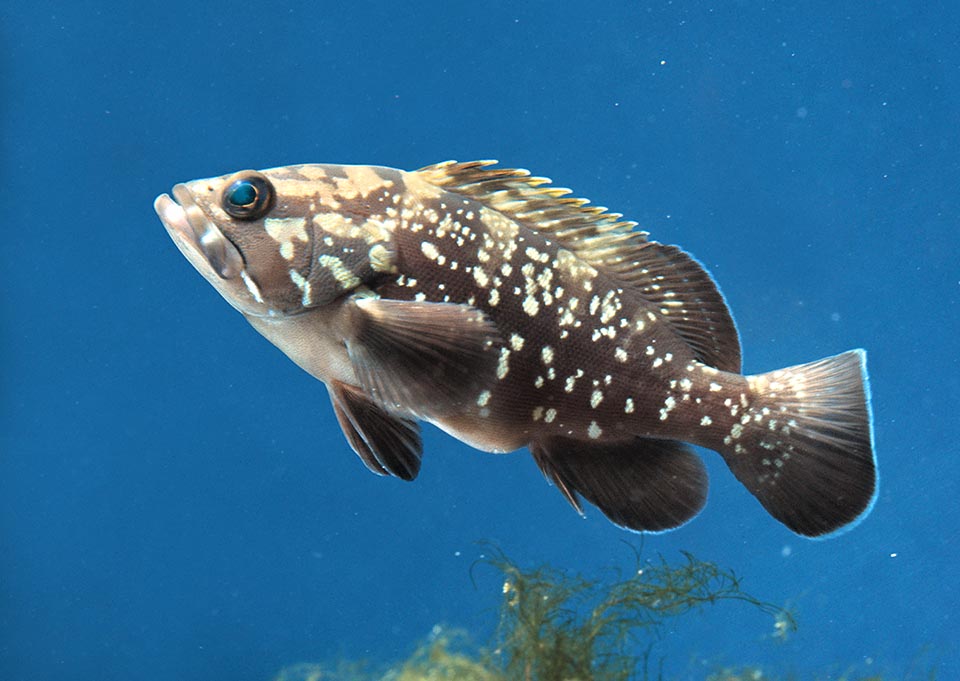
(197, 236)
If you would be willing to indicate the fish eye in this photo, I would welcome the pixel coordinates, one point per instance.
(248, 196)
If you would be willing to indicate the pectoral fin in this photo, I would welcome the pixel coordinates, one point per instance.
(387, 444)
(420, 358)
(644, 485)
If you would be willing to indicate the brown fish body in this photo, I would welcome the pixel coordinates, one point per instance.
(548, 382)
(491, 305)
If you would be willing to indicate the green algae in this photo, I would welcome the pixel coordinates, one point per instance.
(556, 626)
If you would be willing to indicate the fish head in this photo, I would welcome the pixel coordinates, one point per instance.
(281, 241)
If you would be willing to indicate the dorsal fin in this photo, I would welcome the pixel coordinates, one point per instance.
(689, 299)
(666, 276)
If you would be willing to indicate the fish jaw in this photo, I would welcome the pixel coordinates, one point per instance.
(188, 226)
(212, 254)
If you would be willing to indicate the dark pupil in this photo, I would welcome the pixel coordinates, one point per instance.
(243, 194)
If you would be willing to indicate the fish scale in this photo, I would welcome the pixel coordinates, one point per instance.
(510, 315)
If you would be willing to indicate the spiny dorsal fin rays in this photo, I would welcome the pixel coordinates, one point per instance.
(670, 279)
(514, 192)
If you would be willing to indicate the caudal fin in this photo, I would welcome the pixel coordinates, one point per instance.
(804, 447)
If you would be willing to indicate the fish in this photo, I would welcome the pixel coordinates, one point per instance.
(499, 308)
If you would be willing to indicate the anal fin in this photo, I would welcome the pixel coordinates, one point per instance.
(643, 484)
(387, 444)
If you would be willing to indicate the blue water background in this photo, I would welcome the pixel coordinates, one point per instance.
(176, 501)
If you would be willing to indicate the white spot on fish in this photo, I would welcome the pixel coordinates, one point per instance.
(668, 405)
(251, 286)
(571, 381)
(347, 279)
(429, 250)
(480, 276)
(379, 258)
(503, 364)
(594, 431)
(304, 286)
(284, 231)
(531, 306)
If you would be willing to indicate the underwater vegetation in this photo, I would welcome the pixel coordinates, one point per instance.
(556, 626)
(559, 626)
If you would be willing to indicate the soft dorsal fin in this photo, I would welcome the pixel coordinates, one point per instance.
(666, 276)
(689, 300)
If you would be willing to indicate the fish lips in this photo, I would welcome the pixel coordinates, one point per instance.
(198, 238)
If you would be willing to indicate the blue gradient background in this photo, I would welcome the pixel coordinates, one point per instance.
(176, 501)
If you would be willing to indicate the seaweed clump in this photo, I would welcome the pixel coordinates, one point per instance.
(554, 626)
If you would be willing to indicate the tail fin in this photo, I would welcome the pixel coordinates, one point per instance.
(804, 445)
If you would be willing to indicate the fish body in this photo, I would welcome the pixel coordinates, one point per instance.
(491, 304)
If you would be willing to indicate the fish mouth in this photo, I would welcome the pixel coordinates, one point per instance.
(197, 237)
